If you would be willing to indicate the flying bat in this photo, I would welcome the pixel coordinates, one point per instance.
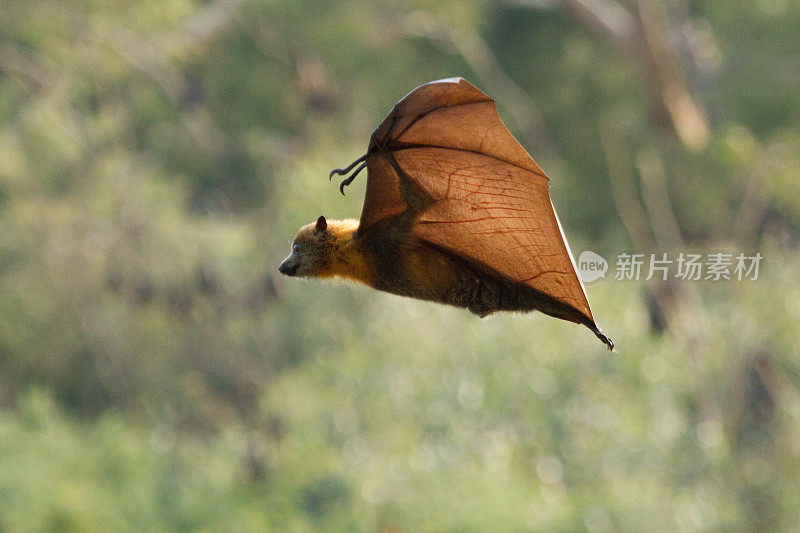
(455, 212)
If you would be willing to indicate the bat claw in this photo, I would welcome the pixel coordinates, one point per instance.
(351, 177)
(347, 181)
(351, 166)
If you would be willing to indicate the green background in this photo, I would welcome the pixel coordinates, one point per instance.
(156, 372)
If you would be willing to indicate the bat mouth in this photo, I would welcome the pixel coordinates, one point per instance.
(288, 270)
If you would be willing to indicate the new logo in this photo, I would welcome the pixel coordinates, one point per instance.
(591, 266)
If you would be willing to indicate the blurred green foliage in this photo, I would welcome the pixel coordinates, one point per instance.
(156, 159)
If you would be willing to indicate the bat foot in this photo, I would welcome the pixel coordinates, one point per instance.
(343, 171)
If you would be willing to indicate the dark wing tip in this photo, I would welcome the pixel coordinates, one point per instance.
(605, 339)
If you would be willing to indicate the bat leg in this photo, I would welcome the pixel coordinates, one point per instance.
(346, 170)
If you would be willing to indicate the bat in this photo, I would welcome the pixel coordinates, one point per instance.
(455, 212)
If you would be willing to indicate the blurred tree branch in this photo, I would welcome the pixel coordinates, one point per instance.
(640, 30)
(607, 19)
(146, 54)
(211, 19)
(651, 226)
(13, 61)
(468, 43)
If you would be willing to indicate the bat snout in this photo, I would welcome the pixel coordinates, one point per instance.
(288, 268)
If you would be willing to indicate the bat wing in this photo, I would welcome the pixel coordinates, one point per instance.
(444, 155)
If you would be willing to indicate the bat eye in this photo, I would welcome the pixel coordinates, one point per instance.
(296, 248)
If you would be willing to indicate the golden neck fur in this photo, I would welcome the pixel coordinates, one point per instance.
(345, 258)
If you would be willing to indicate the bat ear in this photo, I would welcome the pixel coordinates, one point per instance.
(322, 224)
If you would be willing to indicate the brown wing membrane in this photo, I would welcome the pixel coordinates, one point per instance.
(486, 200)
(383, 197)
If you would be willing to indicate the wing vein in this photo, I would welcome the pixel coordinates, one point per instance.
(426, 113)
(398, 146)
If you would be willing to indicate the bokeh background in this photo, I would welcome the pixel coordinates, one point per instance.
(156, 373)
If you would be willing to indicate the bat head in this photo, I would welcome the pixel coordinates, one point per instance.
(310, 250)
